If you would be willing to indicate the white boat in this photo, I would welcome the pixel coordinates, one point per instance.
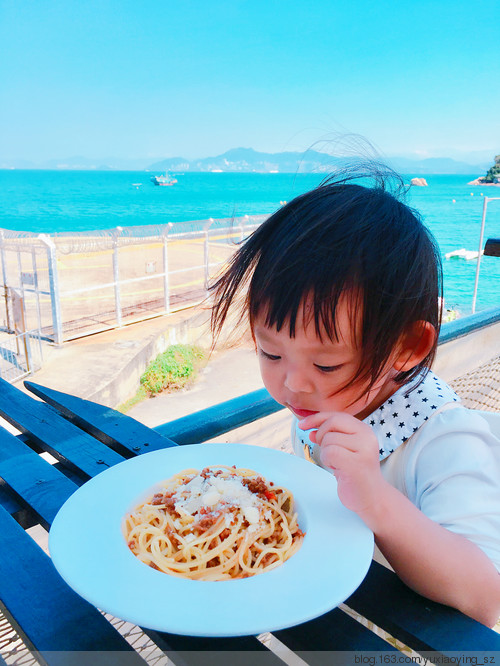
(165, 180)
(462, 254)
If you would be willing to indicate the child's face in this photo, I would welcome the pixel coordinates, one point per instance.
(306, 374)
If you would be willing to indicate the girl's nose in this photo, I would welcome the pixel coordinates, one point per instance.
(297, 382)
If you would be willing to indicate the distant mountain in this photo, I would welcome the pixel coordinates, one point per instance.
(439, 165)
(312, 161)
(247, 160)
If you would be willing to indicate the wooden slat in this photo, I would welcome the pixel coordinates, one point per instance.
(334, 631)
(49, 615)
(219, 419)
(9, 503)
(55, 434)
(45, 488)
(120, 432)
(18, 510)
(196, 651)
(420, 623)
(32, 480)
(128, 436)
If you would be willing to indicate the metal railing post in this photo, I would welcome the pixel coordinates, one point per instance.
(480, 249)
(4, 277)
(37, 297)
(206, 251)
(55, 298)
(37, 292)
(166, 280)
(116, 276)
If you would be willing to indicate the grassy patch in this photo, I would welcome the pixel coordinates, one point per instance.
(173, 370)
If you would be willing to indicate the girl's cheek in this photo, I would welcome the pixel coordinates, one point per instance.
(269, 379)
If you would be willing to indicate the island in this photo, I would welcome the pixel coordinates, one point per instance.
(492, 176)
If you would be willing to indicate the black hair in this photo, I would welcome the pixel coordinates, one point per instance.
(341, 236)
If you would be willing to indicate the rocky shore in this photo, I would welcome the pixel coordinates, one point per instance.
(480, 181)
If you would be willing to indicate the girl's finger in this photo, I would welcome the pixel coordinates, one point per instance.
(338, 439)
(337, 421)
(336, 457)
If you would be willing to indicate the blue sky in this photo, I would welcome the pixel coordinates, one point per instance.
(194, 78)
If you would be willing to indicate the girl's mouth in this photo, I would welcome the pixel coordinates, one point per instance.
(301, 413)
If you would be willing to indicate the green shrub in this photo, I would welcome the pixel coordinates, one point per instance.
(173, 369)
(494, 172)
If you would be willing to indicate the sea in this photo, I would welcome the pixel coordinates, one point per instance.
(59, 201)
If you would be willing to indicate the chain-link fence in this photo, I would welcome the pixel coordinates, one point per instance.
(68, 285)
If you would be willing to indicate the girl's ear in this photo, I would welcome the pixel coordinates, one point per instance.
(414, 346)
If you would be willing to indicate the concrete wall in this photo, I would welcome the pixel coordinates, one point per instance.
(123, 385)
(464, 354)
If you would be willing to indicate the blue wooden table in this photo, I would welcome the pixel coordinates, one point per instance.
(61, 628)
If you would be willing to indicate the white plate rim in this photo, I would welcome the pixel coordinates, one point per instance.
(89, 550)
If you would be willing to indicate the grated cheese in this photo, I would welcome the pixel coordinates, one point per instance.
(215, 491)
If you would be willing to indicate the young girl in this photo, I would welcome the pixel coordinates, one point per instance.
(342, 290)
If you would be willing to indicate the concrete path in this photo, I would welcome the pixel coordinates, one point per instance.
(106, 368)
(227, 375)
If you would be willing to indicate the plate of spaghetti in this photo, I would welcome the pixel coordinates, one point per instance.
(220, 523)
(211, 540)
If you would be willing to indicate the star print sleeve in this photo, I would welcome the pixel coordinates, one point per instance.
(453, 476)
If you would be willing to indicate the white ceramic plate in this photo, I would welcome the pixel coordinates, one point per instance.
(89, 550)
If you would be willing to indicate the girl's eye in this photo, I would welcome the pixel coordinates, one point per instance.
(270, 357)
(328, 368)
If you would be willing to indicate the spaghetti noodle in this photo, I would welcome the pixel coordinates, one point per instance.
(217, 524)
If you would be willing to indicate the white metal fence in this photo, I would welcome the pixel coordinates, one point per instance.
(20, 355)
(68, 285)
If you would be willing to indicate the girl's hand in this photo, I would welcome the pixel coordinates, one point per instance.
(450, 569)
(350, 449)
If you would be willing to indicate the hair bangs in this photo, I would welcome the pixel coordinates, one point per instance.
(297, 287)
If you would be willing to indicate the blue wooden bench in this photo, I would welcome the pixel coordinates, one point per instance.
(86, 438)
